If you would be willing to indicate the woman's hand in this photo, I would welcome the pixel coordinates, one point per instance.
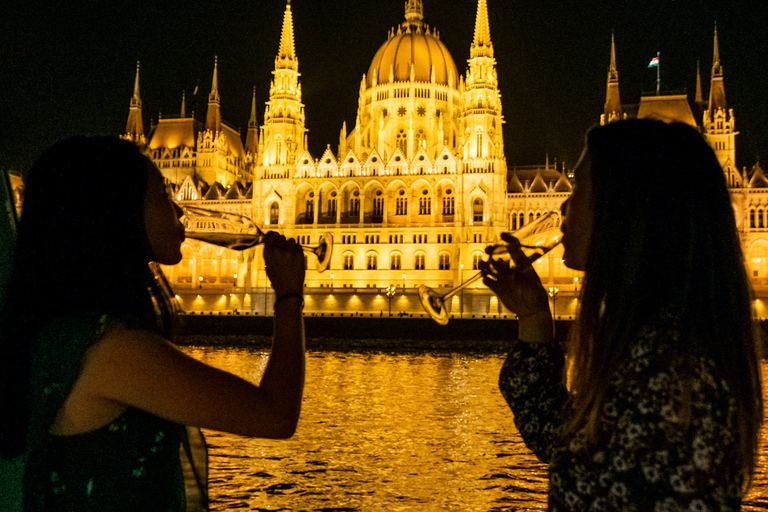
(284, 260)
(520, 289)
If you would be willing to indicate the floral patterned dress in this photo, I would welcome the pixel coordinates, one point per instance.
(646, 458)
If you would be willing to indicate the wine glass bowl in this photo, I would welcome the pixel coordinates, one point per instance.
(536, 239)
(238, 232)
(433, 304)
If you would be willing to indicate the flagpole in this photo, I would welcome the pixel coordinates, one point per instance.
(658, 73)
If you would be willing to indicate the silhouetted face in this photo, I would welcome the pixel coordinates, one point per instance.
(579, 210)
(165, 233)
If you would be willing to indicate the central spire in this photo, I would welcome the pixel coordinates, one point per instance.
(414, 13)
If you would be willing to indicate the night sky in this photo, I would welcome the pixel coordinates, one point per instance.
(68, 68)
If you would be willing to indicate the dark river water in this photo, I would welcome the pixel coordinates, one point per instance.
(389, 432)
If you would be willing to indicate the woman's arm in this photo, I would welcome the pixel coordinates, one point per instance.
(141, 369)
(531, 383)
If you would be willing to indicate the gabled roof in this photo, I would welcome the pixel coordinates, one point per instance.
(667, 108)
(538, 186)
(233, 140)
(173, 133)
(235, 191)
(563, 184)
(215, 192)
(758, 179)
(513, 185)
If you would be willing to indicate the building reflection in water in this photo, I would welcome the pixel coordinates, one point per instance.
(390, 432)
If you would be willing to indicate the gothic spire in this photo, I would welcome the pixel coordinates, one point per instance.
(134, 128)
(613, 73)
(699, 98)
(252, 120)
(252, 137)
(183, 104)
(481, 44)
(612, 109)
(213, 117)
(717, 69)
(286, 54)
(136, 100)
(414, 13)
(214, 95)
(717, 87)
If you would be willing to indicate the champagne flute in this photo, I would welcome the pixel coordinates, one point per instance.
(238, 232)
(536, 239)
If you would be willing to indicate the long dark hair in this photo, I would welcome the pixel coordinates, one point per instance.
(664, 241)
(81, 247)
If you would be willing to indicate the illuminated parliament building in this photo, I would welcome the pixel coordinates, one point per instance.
(412, 193)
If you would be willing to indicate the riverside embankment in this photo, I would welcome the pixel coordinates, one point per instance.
(395, 334)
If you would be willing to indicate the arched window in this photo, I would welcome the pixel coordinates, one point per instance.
(477, 257)
(274, 213)
(332, 205)
(402, 141)
(479, 143)
(310, 209)
(421, 140)
(354, 206)
(752, 218)
(477, 210)
(394, 261)
(378, 205)
(278, 150)
(449, 204)
(185, 267)
(401, 204)
(208, 265)
(349, 261)
(444, 261)
(372, 261)
(418, 261)
(425, 204)
(760, 219)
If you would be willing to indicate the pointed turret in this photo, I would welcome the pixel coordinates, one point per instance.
(252, 138)
(612, 108)
(699, 98)
(283, 133)
(286, 54)
(183, 104)
(213, 119)
(343, 141)
(481, 44)
(717, 88)
(134, 128)
(718, 121)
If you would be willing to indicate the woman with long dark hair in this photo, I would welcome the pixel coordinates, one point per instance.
(94, 396)
(658, 402)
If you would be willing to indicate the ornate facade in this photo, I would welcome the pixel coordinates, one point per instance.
(412, 193)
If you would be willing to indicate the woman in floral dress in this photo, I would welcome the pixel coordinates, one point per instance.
(656, 404)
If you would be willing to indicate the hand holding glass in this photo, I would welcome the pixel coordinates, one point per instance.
(238, 232)
(536, 239)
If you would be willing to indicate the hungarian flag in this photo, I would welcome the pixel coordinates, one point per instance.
(654, 62)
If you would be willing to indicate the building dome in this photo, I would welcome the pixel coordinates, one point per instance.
(413, 45)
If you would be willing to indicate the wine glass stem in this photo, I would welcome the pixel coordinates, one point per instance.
(463, 285)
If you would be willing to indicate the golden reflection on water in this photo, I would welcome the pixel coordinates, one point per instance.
(390, 432)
